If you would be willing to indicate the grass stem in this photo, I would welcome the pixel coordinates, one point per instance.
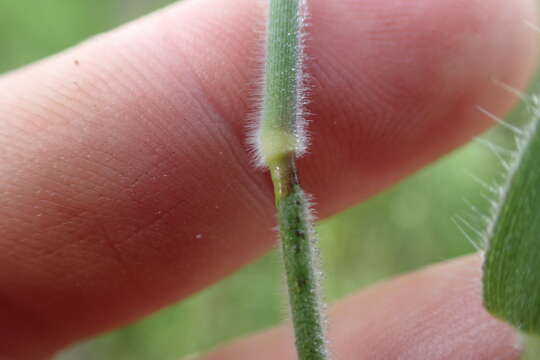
(280, 140)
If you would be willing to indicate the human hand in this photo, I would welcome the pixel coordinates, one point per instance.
(126, 183)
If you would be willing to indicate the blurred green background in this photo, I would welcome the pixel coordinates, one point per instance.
(408, 226)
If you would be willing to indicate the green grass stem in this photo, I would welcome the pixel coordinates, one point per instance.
(280, 140)
(299, 257)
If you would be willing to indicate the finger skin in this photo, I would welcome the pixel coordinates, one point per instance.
(125, 179)
(433, 314)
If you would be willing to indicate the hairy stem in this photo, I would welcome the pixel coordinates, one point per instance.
(280, 140)
(282, 106)
(299, 255)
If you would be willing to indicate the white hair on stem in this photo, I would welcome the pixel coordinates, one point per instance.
(255, 118)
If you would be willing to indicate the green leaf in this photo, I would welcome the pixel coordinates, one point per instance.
(511, 276)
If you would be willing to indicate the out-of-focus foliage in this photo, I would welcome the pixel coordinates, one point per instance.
(406, 227)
